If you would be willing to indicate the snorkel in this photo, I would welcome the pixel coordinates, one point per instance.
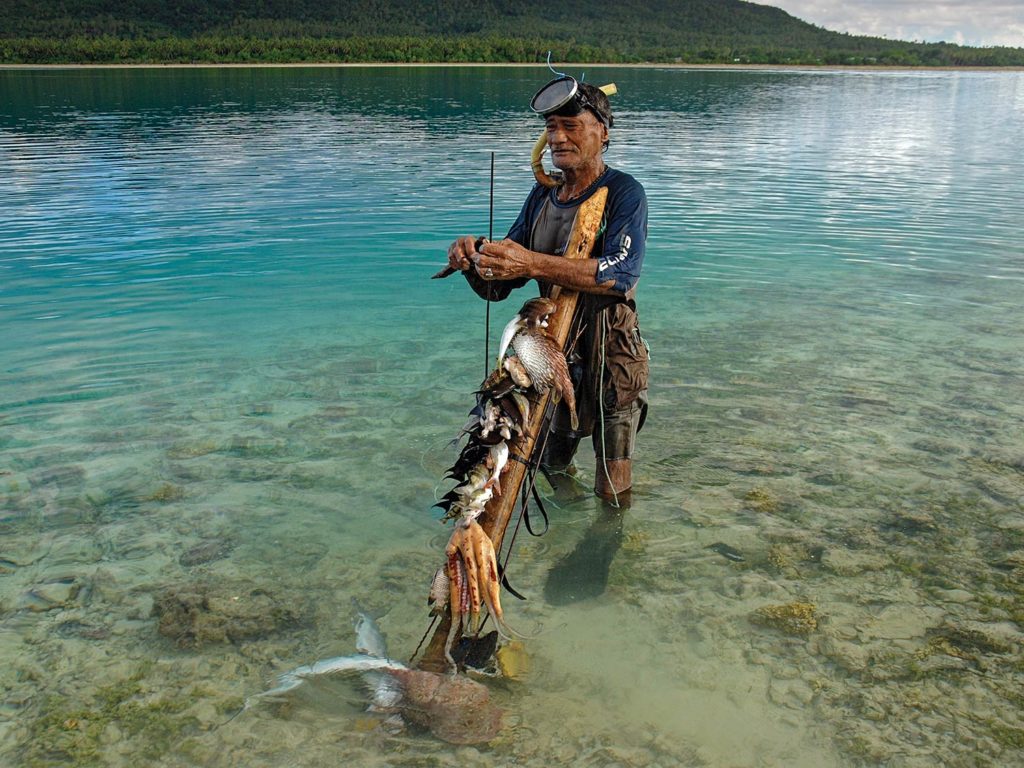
(561, 94)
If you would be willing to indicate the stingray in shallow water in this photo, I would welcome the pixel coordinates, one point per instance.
(454, 708)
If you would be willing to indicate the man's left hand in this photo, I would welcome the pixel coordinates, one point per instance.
(504, 260)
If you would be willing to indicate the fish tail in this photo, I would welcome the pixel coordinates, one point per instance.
(570, 403)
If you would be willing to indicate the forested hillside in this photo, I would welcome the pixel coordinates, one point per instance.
(694, 31)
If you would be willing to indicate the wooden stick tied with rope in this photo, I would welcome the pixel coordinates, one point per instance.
(499, 510)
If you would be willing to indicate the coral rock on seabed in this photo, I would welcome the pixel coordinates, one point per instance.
(763, 500)
(791, 618)
(197, 614)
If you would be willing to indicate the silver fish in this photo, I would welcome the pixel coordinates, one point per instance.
(497, 458)
(369, 639)
(371, 661)
(387, 693)
(455, 709)
(296, 677)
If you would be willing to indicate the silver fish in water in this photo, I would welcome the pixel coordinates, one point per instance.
(371, 661)
(369, 639)
(291, 680)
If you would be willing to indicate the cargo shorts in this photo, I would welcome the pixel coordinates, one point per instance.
(616, 441)
(618, 438)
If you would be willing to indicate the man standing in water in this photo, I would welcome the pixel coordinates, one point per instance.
(609, 368)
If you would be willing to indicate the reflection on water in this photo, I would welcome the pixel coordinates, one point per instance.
(228, 385)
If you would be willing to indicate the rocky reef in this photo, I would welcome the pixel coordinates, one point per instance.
(791, 618)
(194, 615)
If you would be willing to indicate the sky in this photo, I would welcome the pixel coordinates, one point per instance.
(968, 22)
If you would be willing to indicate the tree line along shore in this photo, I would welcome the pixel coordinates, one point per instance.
(239, 49)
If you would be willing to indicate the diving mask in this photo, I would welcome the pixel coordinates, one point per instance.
(567, 97)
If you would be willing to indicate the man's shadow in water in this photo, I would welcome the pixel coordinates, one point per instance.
(583, 573)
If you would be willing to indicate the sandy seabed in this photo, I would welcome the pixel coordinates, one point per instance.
(873, 615)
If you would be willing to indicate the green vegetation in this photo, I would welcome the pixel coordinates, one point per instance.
(68, 734)
(762, 500)
(1007, 736)
(791, 618)
(613, 31)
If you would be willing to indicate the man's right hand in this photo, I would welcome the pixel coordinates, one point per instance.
(459, 253)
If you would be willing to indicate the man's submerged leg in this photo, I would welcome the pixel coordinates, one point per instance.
(613, 478)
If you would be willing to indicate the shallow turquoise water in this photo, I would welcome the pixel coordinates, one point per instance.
(219, 329)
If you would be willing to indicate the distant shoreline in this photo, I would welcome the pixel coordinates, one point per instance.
(420, 64)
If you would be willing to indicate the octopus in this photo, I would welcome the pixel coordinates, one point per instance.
(472, 570)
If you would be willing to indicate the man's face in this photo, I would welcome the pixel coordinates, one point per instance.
(575, 141)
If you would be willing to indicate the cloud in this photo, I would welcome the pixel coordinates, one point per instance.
(970, 22)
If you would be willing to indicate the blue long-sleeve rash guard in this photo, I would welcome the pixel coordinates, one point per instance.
(623, 238)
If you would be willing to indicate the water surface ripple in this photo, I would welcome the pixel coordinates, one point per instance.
(226, 380)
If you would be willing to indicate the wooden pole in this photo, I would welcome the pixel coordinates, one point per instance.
(499, 510)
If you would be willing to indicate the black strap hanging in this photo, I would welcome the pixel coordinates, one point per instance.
(540, 508)
(508, 587)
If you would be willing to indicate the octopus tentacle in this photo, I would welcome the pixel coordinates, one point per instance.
(484, 551)
(472, 571)
(456, 582)
(463, 588)
(492, 590)
(449, 642)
